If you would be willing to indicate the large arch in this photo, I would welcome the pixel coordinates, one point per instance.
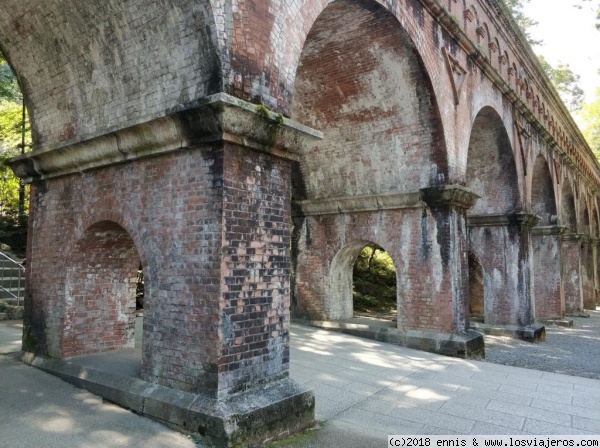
(373, 100)
(88, 68)
(587, 255)
(571, 250)
(549, 298)
(491, 166)
(498, 235)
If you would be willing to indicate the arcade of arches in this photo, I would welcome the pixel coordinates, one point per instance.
(245, 156)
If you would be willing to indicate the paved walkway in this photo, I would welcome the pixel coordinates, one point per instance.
(365, 390)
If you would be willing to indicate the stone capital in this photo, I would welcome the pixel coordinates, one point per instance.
(548, 230)
(571, 236)
(449, 196)
(521, 219)
(214, 119)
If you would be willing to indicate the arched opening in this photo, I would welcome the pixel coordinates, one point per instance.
(571, 251)
(100, 294)
(543, 201)
(568, 211)
(494, 229)
(375, 292)
(15, 140)
(360, 80)
(491, 167)
(476, 289)
(549, 300)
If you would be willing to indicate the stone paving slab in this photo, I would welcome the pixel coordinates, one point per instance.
(366, 390)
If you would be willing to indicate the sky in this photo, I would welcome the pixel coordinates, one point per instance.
(569, 36)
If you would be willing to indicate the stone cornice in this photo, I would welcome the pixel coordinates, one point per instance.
(449, 195)
(548, 230)
(503, 220)
(217, 118)
(364, 203)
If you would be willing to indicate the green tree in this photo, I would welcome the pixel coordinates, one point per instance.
(15, 136)
(524, 22)
(9, 88)
(590, 115)
(566, 82)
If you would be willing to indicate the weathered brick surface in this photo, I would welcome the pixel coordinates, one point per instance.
(408, 94)
(587, 275)
(547, 281)
(504, 255)
(255, 300)
(96, 66)
(417, 240)
(571, 273)
(169, 217)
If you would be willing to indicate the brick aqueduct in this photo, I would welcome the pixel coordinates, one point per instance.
(244, 152)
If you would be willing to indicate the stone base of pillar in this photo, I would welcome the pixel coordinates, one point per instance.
(466, 346)
(564, 322)
(532, 333)
(249, 418)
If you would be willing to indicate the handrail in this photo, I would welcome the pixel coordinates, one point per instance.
(19, 279)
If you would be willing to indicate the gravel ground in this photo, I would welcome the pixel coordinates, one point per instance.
(570, 350)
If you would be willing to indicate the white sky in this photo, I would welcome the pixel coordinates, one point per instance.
(569, 36)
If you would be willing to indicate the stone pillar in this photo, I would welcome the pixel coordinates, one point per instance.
(588, 287)
(209, 216)
(548, 289)
(503, 244)
(571, 273)
(449, 205)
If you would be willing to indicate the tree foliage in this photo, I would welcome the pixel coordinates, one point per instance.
(524, 22)
(9, 88)
(590, 115)
(566, 82)
(374, 282)
(13, 212)
(596, 9)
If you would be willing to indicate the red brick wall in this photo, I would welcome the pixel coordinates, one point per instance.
(504, 254)
(549, 299)
(170, 208)
(372, 99)
(255, 301)
(571, 274)
(420, 244)
(491, 169)
(99, 304)
(211, 227)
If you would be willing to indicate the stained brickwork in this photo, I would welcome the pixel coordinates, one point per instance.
(424, 126)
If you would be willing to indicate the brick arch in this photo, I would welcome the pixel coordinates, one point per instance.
(491, 165)
(595, 223)
(96, 66)
(373, 101)
(568, 212)
(294, 32)
(339, 302)
(476, 287)
(584, 219)
(99, 308)
(543, 197)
